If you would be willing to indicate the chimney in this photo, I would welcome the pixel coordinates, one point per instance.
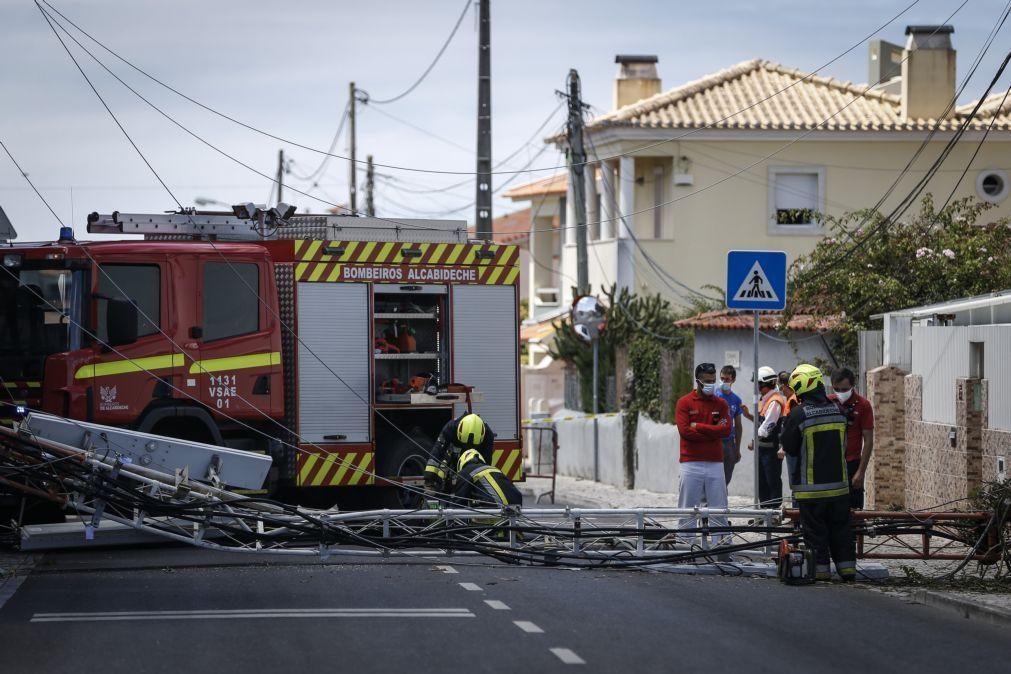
(637, 78)
(928, 72)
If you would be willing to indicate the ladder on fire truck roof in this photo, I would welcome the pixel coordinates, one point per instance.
(249, 222)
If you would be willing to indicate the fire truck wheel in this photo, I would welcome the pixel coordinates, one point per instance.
(405, 461)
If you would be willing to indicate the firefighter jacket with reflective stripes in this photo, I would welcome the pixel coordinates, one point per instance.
(815, 432)
(446, 452)
(485, 486)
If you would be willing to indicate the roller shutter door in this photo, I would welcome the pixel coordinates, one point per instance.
(485, 341)
(333, 323)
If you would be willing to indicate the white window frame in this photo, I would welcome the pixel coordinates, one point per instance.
(809, 229)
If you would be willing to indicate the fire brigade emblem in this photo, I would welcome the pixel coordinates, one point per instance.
(108, 395)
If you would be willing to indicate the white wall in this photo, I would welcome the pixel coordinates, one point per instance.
(657, 452)
(575, 447)
(941, 355)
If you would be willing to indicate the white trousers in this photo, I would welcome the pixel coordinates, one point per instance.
(702, 482)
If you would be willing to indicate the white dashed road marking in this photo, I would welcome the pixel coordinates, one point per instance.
(471, 587)
(496, 604)
(528, 627)
(446, 569)
(567, 656)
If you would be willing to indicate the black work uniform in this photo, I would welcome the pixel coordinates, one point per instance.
(446, 452)
(485, 486)
(815, 433)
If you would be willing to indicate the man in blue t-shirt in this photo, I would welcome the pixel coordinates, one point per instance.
(732, 444)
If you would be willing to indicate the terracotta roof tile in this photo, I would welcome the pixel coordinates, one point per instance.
(731, 319)
(804, 102)
(511, 228)
(556, 184)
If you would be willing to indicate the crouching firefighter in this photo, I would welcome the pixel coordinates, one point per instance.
(457, 436)
(815, 433)
(483, 486)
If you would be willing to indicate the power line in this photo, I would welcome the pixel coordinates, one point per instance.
(421, 130)
(447, 172)
(333, 144)
(763, 158)
(935, 165)
(438, 55)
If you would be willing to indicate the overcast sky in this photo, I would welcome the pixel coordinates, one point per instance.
(284, 67)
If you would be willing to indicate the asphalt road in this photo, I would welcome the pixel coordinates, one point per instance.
(182, 610)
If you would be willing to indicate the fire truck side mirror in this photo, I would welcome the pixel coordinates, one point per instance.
(121, 322)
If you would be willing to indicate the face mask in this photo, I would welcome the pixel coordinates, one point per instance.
(726, 386)
(707, 389)
(843, 396)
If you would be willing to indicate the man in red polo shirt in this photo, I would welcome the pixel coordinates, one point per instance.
(859, 431)
(703, 420)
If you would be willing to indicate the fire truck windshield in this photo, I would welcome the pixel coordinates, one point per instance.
(40, 311)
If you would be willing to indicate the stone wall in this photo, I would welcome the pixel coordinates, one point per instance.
(944, 463)
(885, 479)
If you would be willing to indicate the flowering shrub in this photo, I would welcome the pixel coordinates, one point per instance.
(930, 256)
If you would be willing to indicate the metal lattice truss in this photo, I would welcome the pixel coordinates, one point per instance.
(100, 485)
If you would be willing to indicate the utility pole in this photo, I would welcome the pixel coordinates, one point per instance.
(352, 168)
(482, 222)
(370, 183)
(577, 166)
(280, 176)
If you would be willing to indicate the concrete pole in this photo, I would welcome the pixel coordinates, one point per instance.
(352, 151)
(577, 181)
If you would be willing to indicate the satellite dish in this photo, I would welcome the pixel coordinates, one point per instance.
(7, 231)
(588, 317)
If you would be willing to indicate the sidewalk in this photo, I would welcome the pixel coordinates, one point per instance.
(589, 494)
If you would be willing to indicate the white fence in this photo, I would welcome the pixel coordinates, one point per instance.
(657, 451)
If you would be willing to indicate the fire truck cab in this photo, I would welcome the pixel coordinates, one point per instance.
(339, 345)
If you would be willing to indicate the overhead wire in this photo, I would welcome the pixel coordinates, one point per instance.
(920, 186)
(438, 55)
(321, 168)
(447, 172)
(243, 280)
(743, 170)
(186, 394)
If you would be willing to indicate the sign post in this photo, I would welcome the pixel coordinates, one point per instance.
(756, 281)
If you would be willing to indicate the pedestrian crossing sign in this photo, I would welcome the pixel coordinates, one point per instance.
(756, 280)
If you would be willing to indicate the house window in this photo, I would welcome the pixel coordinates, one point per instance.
(796, 196)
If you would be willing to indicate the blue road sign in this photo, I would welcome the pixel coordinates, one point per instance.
(756, 280)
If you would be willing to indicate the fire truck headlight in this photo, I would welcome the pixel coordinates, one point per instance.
(12, 261)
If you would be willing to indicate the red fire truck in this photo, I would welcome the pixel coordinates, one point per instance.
(337, 344)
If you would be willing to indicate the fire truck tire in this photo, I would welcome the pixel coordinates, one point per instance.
(403, 459)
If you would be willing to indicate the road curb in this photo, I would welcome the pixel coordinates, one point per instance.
(966, 607)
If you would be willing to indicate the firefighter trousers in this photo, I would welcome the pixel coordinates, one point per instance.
(827, 531)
